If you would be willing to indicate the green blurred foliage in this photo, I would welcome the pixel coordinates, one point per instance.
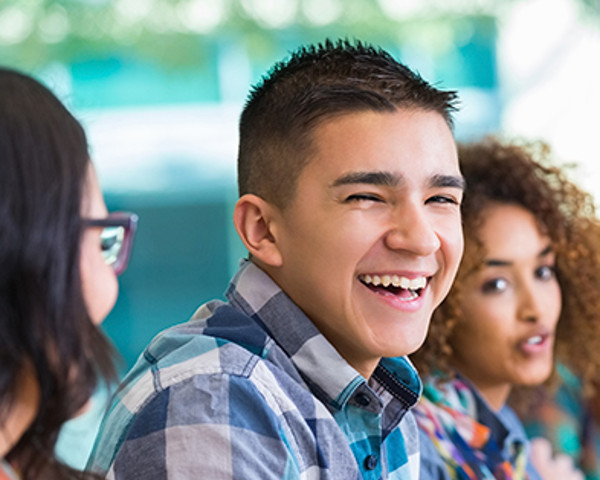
(176, 33)
(179, 33)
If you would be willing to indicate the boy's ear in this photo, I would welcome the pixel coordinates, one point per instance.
(253, 220)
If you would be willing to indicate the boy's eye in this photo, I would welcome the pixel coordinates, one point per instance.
(442, 199)
(363, 197)
(495, 285)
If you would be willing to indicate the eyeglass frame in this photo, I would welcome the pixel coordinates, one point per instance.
(128, 221)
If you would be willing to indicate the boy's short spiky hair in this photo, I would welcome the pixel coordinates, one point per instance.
(316, 83)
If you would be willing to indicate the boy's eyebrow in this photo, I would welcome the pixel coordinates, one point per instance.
(385, 179)
(504, 263)
(456, 181)
(388, 179)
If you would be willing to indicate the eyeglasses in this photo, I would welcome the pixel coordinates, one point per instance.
(118, 229)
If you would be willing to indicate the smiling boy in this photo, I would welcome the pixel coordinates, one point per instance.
(349, 208)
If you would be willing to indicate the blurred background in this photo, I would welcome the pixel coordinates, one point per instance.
(159, 85)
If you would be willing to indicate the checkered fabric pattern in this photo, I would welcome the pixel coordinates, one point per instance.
(250, 389)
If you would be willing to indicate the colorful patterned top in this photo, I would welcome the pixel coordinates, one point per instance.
(462, 438)
(565, 419)
(250, 389)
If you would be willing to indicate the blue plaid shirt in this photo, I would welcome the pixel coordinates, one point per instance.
(250, 389)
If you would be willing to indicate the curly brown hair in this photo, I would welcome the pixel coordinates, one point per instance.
(522, 173)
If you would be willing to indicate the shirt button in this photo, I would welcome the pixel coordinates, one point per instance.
(362, 399)
(371, 462)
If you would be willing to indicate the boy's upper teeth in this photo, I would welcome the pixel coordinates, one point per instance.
(534, 340)
(395, 280)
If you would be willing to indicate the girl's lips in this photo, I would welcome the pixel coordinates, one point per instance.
(536, 342)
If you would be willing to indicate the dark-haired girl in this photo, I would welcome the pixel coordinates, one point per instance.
(60, 252)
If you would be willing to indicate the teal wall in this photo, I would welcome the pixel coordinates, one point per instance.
(185, 251)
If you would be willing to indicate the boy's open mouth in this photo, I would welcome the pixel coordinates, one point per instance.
(402, 287)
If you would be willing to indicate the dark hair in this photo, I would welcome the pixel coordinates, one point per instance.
(523, 174)
(314, 84)
(43, 319)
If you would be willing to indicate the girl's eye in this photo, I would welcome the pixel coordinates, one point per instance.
(358, 197)
(545, 272)
(442, 199)
(494, 286)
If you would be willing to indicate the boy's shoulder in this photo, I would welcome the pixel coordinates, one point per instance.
(215, 327)
(211, 373)
(217, 340)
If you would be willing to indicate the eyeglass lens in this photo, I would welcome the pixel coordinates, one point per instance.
(112, 240)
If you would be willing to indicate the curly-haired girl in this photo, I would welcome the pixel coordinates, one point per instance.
(526, 297)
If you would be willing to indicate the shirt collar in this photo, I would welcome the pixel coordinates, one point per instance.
(505, 427)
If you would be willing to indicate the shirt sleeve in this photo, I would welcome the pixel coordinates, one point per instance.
(208, 426)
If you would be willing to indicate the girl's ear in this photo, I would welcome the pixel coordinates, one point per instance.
(253, 220)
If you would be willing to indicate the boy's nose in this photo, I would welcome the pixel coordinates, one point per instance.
(412, 231)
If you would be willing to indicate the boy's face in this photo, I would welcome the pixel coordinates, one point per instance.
(372, 239)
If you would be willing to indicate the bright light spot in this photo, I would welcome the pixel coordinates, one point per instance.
(466, 7)
(406, 9)
(134, 147)
(132, 11)
(322, 12)
(15, 25)
(201, 16)
(551, 83)
(525, 43)
(54, 27)
(401, 9)
(272, 13)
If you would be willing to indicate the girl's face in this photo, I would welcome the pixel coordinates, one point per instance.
(510, 307)
(99, 282)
